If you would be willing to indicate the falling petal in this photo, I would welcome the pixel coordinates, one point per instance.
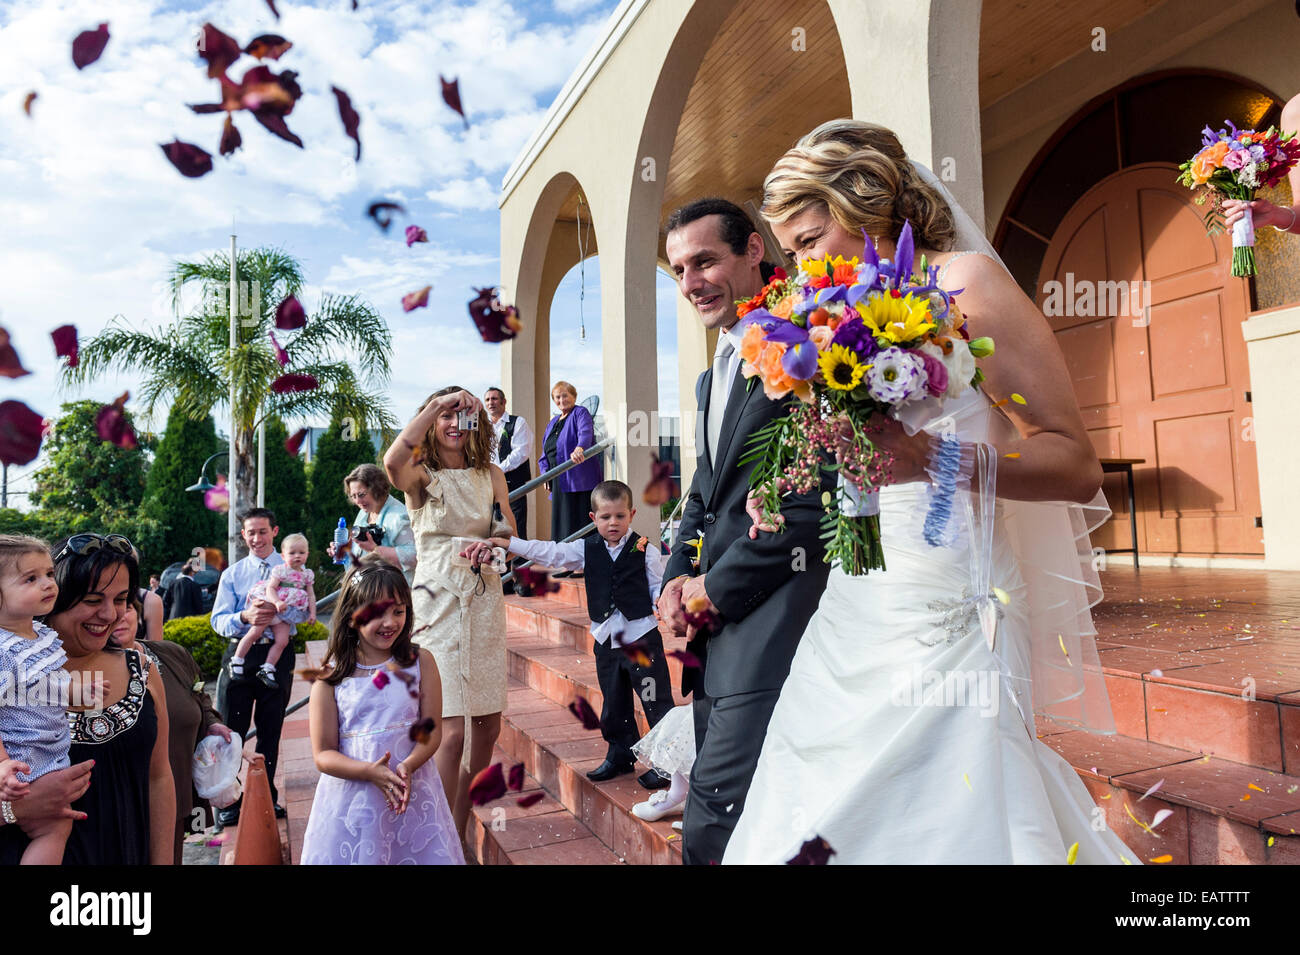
(689, 660)
(217, 498)
(415, 234)
(230, 138)
(380, 212)
(418, 299)
(218, 49)
(293, 382)
(1245, 798)
(966, 779)
(1161, 816)
(371, 611)
(1003, 597)
(276, 124)
(111, 424)
(312, 674)
(380, 679)
(816, 851)
(699, 615)
(10, 364)
(1072, 855)
(1124, 859)
(1061, 639)
(532, 799)
(65, 343)
(27, 102)
(515, 778)
(1162, 859)
(1151, 790)
(583, 711)
(495, 322)
(1107, 796)
(1018, 399)
(489, 784)
(421, 731)
(281, 355)
(412, 684)
(21, 431)
(531, 582)
(1013, 454)
(274, 11)
(637, 652)
(268, 46)
(190, 160)
(661, 487)
(1256, 788)
(451, 96)
(293, 444)
(1139, 822)
(351, 118)
(290, 314)
(89, 46)
(1270, 842)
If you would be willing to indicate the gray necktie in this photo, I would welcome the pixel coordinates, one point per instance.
(266, 571)
(722, 373)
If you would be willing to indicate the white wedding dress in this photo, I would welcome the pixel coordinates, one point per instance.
(898, 740)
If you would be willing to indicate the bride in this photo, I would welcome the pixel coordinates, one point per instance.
(905, 732)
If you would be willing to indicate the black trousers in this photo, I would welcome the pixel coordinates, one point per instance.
(249, 700)
(623, 681)
(729, 734)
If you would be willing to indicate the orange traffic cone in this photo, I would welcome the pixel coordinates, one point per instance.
(257, 839)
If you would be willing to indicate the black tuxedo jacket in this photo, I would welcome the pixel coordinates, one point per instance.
(766, 589)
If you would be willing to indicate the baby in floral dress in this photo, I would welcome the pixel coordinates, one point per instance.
(290, 588)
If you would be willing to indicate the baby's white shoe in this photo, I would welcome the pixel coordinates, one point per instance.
(656, 807)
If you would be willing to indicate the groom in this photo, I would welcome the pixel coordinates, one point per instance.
(763, 591)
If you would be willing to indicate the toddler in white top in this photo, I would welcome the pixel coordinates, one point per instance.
(290, 588)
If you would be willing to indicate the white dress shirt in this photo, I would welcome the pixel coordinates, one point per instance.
(521, 442)
(573, 556)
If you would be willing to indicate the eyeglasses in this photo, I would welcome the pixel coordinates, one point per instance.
(83, 544)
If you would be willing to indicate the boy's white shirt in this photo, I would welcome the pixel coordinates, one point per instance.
(573, 556)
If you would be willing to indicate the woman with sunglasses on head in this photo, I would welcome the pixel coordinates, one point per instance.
(128, 814)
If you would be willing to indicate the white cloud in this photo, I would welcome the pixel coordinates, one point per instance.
(462, 194)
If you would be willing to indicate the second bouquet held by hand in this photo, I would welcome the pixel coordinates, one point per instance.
(853, 340)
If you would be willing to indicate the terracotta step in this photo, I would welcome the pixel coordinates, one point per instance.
(557, 752)
(505, 833)
(562, 624)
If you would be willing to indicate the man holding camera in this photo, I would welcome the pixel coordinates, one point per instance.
(382, 525)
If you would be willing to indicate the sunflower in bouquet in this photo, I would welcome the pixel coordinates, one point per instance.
(853, 340)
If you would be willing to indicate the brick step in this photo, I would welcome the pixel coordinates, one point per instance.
(505, 833)
(558, 752)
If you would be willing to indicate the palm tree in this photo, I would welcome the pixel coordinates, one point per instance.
(192, 365)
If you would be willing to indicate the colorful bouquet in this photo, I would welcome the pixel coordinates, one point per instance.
(1234, 163)
(852, 340)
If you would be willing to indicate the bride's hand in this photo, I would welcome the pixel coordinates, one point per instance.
(910, 453)
(754, 508)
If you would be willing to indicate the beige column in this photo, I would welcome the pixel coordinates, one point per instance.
(914, 67)
(1273, 346)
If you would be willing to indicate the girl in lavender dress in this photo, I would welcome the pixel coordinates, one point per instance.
(380, 698)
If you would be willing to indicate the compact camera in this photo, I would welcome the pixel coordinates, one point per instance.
(467, 420)
(370, 532)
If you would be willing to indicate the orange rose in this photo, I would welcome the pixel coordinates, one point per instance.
(782, 308)
(752, 344)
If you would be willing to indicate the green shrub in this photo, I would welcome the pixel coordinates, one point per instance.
(208, 647)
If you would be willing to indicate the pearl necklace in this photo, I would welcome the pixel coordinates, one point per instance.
(372, 666)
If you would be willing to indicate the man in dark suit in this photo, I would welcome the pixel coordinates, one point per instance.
(185, 599)
(764, 591)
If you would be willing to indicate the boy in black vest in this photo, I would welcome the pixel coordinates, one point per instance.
(623, 576)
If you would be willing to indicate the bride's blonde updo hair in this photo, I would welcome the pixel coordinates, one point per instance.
(860, 173)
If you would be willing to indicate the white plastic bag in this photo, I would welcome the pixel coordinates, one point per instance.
(216, 769)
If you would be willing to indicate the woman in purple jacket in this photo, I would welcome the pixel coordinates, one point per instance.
(568, 434)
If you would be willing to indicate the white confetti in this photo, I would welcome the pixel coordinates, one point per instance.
(1151, 790)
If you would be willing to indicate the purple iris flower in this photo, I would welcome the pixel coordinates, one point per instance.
(800, 358)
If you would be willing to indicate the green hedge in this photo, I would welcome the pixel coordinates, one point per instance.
(208, 647)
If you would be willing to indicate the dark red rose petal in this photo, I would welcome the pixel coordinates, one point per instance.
(531, 582)
(293, 444)
(271, 5)
(276, 124)
(816, 851)
(702, 618)
(417, 299)
(230, 138)
(585, 714)
(451, 96)
(381, 213)
(351, 119)
(27, 102)
(532, 799)
(371, 611)
(421, 731)
(281, 355)
(290, 315)
(268, 46)
(189, 160)
(415, 234)
(312, 674)
(89, 46)
(65, 343)
(10, 364)
(111, 424)
(217, 49)
(495, 322)
(661, 488)
(638, 652)
(689, 660)
(489, 784)
(515, 778)
(294, 382)
(20, 433)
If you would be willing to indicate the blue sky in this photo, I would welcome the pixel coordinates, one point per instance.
(94, 214)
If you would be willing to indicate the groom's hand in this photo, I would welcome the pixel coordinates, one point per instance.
(670, 606)
(693, 589)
